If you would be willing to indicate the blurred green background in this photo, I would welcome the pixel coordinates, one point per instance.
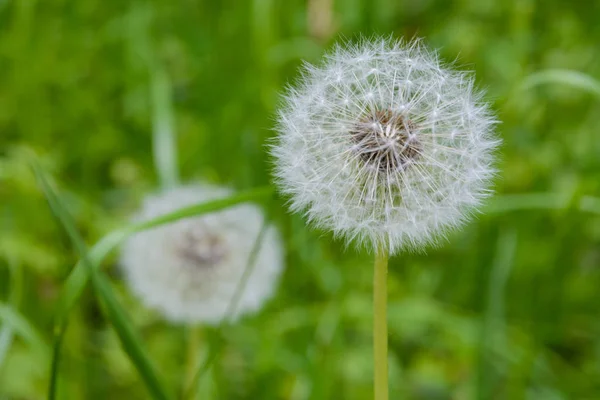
(508, 308)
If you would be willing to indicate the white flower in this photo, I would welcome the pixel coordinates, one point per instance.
(189, 269)
(384, 145)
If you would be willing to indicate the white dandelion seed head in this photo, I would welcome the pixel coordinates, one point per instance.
(384, 145)
(189, 270)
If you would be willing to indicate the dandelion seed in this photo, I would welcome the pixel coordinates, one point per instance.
(189, 270)
(384, 145)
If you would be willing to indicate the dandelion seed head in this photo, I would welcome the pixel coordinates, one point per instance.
(189, 269)
(384, 145)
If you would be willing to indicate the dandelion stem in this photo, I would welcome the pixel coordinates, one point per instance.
(380, 330)
(214, 348)
(193, 345)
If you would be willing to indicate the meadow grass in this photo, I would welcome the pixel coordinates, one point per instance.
(120, 98)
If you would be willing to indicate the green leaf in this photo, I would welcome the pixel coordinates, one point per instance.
(130, 340)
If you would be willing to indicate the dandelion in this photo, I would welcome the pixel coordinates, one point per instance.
(189, 270)
(386, 147)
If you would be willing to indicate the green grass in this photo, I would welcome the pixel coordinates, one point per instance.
(120, 98)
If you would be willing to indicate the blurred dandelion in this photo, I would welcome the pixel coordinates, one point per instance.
(386, 147)
(189, 270)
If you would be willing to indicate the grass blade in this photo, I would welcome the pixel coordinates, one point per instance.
(129, 338)
(78, 278)
(527, 201)
(19, 324)
(590, 204)
(14, 299)
(567, 77)
(493, 329)
(6, 339)
(56, 347)
(130, 341)
(163, 136)
(541, 201)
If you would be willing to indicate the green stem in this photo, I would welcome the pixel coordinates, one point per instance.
(58, 338)
(193, 353)
(230, 312)
(380, 330)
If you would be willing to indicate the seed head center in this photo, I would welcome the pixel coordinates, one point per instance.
(386, 140)
(201, 249)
